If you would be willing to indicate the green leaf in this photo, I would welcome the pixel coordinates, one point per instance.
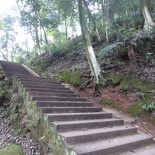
(108, 50)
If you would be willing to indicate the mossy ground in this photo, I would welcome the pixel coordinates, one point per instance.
(130, 84)
(67, 76)
(12, 149)
(115, 79)
(114, 104)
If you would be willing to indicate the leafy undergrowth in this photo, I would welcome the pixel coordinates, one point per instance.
(5, 91)
(12, 149)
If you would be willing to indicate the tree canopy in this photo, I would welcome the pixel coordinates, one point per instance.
(54, 25)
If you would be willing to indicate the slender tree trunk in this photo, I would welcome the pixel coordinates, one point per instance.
(27, 42)
(93, 21)
(105, 16)
(37, 39)
(60, 41)
(45, 36)
(148, 22)
(94, 66)
(6, 48)
(12, 51)
(66, 29)
(46, 41)
(37, 35)
(4, 56)
(107, 19)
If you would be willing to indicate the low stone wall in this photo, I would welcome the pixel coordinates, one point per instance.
(40, 128)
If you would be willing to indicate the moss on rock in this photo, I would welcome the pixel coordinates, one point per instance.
(114, 78)
(12, 149)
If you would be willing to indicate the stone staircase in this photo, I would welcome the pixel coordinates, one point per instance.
(87, 130)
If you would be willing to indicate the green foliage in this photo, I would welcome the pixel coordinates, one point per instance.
(114, 78)
(40, 64)
(141, 87)
(108, 101)
(5, 87)
(149, 57)
(12, 149)
(131, 82)
(146, 102)
(67, 76)
(13, 112)
(64, 75)
(75, 78)
(135, 84)
(150, 107)
(109, 50)
(135, 108)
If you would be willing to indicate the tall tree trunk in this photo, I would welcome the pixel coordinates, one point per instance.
(94, 66)
(66, 29)
(46, 41)
(148, 22)
(93, 21)
(107, 19)
(45, 35)
(26, 41)
(36, 35)
(6, 45)
(36, 39)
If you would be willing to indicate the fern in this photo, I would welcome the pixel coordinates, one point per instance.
(108, 50)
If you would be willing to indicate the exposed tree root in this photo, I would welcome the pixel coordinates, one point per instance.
(86, 83)
(148, 129)
(97, 91)
(90, 84)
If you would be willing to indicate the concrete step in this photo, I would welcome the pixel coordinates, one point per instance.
(69, 109)
(63, 104)
(55, 98)
(78, 116)
(113, 146)
(46, 87)
(55, 90)
(9, 74)
(83, 136)
(64, 94)
(147, 150)
(63, 126)
(13, 68)
(29, 83)
(16, 69)
(36, 79)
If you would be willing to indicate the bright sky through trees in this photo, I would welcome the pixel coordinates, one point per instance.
(9, 7)
(6, 5)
